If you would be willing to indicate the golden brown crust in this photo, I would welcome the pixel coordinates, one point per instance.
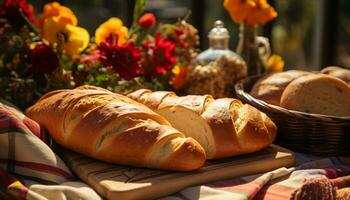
(271, 87)
(338, 72)
(219, 117)
(318, 93)
(133, 150)
(257, 131)
(225, 126)
(114, 128)
(186, 151)
(154, 99)
(135, 95)
(91, 87)
(197, 103)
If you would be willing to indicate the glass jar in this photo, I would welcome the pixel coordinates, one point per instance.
(218, 45)
(218, 68)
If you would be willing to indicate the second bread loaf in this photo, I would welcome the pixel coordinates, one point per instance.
(319, 93)
(224, 127)
(270, 87)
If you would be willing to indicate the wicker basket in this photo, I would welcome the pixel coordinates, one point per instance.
(303, 132)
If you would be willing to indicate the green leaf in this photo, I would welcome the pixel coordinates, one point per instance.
(138, 10)
(31, 26)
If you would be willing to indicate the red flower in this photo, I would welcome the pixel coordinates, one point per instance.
(124, 59)
(148, 20)
(43, 59)
(11, 10)
(159, 57)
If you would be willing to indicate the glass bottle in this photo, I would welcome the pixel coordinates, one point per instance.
(218, 45)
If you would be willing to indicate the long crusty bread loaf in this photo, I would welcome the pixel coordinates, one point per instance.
(271, 87)
(115, 128)
(224, 127)
(318, 93)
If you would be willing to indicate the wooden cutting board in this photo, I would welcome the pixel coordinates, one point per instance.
(121, 182)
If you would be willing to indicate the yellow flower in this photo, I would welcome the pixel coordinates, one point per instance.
(179, 78)
(55, 9)
(71, 39)
(112, 26)
(275, 63)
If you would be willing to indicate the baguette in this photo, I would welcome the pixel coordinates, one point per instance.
(224, 127)
(114, 128)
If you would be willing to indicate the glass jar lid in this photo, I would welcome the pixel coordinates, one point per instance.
(218, 31)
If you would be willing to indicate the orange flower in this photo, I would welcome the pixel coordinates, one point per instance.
(261, 13)
(179, 78)
(238, 9)
(112, 26)
(250, 11)
(55, 9)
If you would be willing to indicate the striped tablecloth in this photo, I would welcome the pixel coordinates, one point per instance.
(29, 169)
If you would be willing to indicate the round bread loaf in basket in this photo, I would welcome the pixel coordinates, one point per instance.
(299, 131)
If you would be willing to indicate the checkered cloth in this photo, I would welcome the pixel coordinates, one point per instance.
(320, 179)
(29, 169)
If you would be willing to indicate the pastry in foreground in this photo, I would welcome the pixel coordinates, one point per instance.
(116, 129)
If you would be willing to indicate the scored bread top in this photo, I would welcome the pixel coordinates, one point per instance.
(115, 128)
(197, 103)
(224, 127)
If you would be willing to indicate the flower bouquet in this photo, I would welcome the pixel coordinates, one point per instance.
(49, 51)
